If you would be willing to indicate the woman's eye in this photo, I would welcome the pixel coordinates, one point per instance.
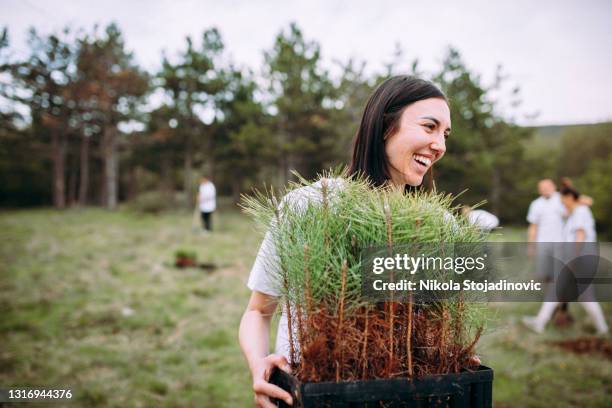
(430, 126)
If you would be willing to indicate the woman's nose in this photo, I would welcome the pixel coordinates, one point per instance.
(439, 145)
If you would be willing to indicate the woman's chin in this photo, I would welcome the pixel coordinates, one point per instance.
(413, 180)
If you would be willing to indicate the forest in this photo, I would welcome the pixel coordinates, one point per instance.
(82, 124)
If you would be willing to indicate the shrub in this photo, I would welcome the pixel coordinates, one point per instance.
(153, 202)
(337, 335)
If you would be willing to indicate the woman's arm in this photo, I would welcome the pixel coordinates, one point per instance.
(585, 200)
(580, 237)
(254, 334)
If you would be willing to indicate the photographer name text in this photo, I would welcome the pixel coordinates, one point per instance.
(466, 285)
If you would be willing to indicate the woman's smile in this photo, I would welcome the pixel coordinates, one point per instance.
(422, 160)
(419, 142)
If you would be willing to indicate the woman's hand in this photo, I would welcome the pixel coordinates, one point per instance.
(261, 370)
(253, 335)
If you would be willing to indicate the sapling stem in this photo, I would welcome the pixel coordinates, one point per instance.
(365, 344)
(292, 355)
(301, 336)
(324, 193)
(339, 342)
(417, 226)
(391, 311)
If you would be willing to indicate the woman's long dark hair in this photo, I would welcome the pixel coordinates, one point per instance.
(381, 118)
(570, 191)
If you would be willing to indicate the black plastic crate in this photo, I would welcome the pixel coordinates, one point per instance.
(468, 389)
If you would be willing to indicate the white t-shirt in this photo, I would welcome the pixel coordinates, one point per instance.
(265, 273)
(580, 219)
(547, 214)
(207, 197)
(483, 219)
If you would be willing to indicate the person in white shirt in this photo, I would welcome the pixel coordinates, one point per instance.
(480, 218)
(207, 202)
(402, 133)
(545, 217)
(578, 228)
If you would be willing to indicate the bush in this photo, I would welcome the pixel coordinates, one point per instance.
(597, 183)
(154, 202)
(318, 244)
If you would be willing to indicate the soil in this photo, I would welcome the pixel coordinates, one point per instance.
(587, 345)
(184, 262)
(562, 319)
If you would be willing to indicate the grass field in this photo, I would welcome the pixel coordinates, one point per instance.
(90, 300)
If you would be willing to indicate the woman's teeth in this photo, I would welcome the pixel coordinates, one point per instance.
(425, 161)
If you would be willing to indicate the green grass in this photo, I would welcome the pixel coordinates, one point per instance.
(67, 279)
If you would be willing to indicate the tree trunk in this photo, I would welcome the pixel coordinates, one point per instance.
(58, 155)
(211, 155)
(132, 188)
(73, 178)
(84, 171)
(283, 164)
(166, 184)
(111, 166)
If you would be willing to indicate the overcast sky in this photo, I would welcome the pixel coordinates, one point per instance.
(558, 52)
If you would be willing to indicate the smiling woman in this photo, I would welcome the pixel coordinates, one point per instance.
(401, 135)
(419, 142)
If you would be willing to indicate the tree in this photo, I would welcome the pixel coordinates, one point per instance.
(486, 151)
(111, 86)
(597, 183)
(22, 177)
(351, 93)
(303, 100)
(582, 144)
(42, 84)
(193, 85)
(244, 143)
(160, 150)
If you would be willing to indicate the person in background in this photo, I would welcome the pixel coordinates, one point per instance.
(207, 201)
(546, 216)
(480, 218)
(578, 228)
